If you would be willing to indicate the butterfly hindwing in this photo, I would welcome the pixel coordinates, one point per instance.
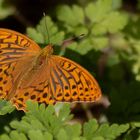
(40, 93)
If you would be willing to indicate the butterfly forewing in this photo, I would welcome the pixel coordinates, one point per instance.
(15, 46)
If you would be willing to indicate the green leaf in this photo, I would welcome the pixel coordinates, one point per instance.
(62, 135)
(71, 16)
(5, 107)
(98, 138)
(4, 137)
(115, 21)
(98, 43)
(80, 30)
(64, 112)
(48, 136)
(98, 29)
(21, 126)
(14, 135)
(117, 4)
(78, 13)
(43, 119)
(73, 131)
(97, 11)
(135, 124)
(92, 129)
(6, 9)
(38, 135)
(112, 23)
(82, 48)
(46, 32)
(134, 55)
(111, 132)
(35, 35)
(89, 129)
(32, 106)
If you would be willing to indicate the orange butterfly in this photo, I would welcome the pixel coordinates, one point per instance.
(29, 72)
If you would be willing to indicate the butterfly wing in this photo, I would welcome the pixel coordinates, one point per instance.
(40, 93)
(15, 46)
(16, 54)
(70, 82)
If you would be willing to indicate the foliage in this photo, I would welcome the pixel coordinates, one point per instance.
(5, 9)
(95, 20)
(111, 47)
(46, 31)
(5, 107)
(53, 122)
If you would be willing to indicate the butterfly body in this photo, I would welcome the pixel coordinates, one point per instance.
(28, 72)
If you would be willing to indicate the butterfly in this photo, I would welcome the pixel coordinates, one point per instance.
(29, 72)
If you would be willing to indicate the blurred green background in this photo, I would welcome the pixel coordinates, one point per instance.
(111, 46)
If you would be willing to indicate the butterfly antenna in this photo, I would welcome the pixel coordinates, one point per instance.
(76, 38)
(47, 28)
(67, 42)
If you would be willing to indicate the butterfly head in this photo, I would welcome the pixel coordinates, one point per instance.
(44, 55)
(47, 51)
